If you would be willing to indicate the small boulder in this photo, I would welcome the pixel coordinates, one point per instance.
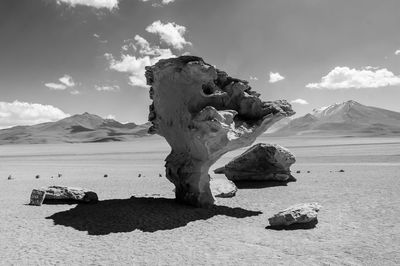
(261, 162)
(70, 194)
(105, 175)
(297, 214)
(37, 176)
(9, 177)
(222, 188)
(341, 171)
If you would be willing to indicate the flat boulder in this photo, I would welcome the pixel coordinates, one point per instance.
(222, 188)
(261, 162)
(297, 214)
(56, 194)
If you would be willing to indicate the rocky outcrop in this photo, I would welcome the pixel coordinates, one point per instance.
(261, 162)
(222, 188)
(297, 214)
(203, 113)
(59, 193)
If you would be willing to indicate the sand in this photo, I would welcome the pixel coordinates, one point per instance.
(359, 223)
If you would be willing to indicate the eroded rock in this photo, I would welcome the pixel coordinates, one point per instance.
(203, 113)
(261, 162)
(60, 193)
(222, 188)
(297, 214)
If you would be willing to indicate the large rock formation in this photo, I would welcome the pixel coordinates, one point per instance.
(297, 214)
(203, 113)
(261, 162)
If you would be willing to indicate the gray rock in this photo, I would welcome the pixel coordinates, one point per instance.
(297, 214)
(222, 188)
(60, 193)
(37, 197)
(261, 162)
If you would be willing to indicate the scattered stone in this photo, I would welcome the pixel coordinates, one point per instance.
(203, 113)
(261, 162)
(341, 171)
(298, 172)
(139, 175)
(70, 194)
(59, 175)
(308, 172)
(105, 175)
(297, 214)
(37, 197)
(9, 177)
(159, 175)
(52, 177)
(37, 176)
(222, 188)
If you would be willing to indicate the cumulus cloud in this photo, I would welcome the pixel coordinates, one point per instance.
(166, 2)
(397, 52)
(275, 77)
(299, 101)
(110, 117)
(170, 33)
(350, 78)
(108, 4)
(66, 82)
(145, 55)
(107, 88)
(23, 113)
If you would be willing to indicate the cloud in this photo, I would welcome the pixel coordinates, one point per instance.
(110, 117)
(170, 33)
(108, 4)
(350, 78)
(300, 101)
(23, 113)
(275, 77)
(397, 52)
(75, 92)
(166, 2)
(66, 82)
(55, 86)
(145, 55)
(107, 88)
(253, 78)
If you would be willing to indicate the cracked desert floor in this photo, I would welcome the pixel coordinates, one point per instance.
(136, 221)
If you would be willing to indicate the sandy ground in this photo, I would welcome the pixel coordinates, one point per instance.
(359, 223)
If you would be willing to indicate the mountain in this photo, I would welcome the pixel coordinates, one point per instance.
(347, 118)
(74, 129)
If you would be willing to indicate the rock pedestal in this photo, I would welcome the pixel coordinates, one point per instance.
(203, 113)
(261, 162)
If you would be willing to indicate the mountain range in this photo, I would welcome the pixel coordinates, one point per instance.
(348, 118)
(74, 129)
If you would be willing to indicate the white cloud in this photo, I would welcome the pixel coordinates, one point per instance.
(350, 78)
(107, 88)
(146, 55)
(55, 86)
(109, 4)
(75, 92)
(170, 33)
(275, 77)
(23, 113)
(253, 78)
(397, 52)
(67, 81)
(300, 101)
(166, 2)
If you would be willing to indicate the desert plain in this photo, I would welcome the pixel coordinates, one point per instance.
(137, 222)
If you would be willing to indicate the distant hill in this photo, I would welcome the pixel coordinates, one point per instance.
(347, 118)
(74, 129)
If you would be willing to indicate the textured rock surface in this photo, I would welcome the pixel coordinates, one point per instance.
(260, 162)
(222, 188)
(203, 113)
(59, 193)
(297, 214)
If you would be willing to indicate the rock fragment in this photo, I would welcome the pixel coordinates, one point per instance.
(296, 214)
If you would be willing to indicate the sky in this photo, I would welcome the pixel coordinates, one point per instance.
(65, 57)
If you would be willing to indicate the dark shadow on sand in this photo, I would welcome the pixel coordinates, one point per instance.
(258, 184)
(145, 214)
(303, 226)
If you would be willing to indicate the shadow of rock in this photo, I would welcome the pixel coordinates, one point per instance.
(145, 214)
(258, 184)
(303, 226)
